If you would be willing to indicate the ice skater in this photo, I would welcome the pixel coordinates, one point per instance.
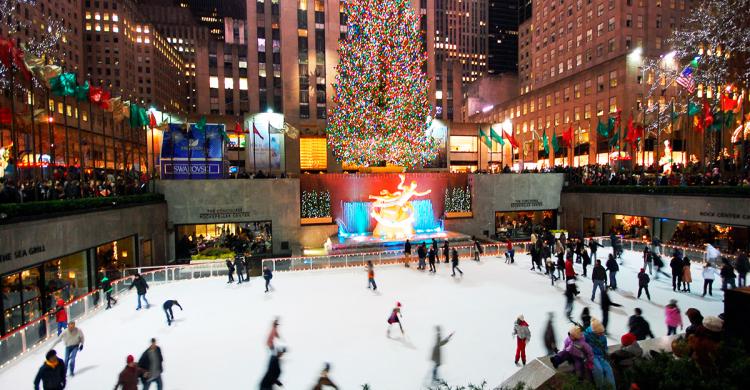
(431, 256)
(167, 306)
(709, 274)
(510, 252)
(267, 276)
(273, 335)
(239, 267)
(324, 380)
(446, 252)
(454, 259)
(599, 278)
(436, 356)
(643, 281)
(271, 378)
(523, 335)
(61, 316)
(586, 263)
(407, 253)
(422, 256)
(107, 289)
(592, 247)
(477, 248)
(128, 378)
(140, 288)
(371, 276)
(571, 290)
(51, 374)
(606, 303)
(613, 268)
(550, 340)
(395, 318)
(672, 317)
(230, 271)
(152, 361)
(648, 260)
(73, 340)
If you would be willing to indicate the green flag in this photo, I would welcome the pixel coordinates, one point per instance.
(223, 133)
(134, 115)
(611, 125)
(496, 137)
(615, 138)
(487, 141)
(555, 144)
(63, 85)
(602, 129)
(693, 109)
(142, 117)
(545, 142)
(201, 123)
(82, 91)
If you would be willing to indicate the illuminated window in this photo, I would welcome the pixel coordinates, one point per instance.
(88, 15)
(213, 82)
(115, 28)
(243, 84)
(115, 18)
(88, 26)
(97, 27)
(313, 153)
(97, 16)
(463, 143)
(228, 83)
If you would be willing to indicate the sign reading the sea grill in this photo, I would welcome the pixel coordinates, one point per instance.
(21, 253)
(526, 204)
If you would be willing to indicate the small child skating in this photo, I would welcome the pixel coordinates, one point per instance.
(395, 318)
(371, 276)
(267, 275)
(167, 306)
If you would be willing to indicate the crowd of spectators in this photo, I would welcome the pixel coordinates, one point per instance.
(68, 183)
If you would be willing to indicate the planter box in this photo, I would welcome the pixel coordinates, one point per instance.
(458, 214)
(316, 221)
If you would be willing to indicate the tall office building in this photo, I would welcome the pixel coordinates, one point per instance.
(580, 62)
(502, 50)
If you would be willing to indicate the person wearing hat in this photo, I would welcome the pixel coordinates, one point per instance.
(523, 335)
(128, 378)
(61, 316)
(625, 357)
(395, 318)
(696, 320)
(51, 374)
(323, 380)
(705, 341)
(107, 289)
(602, 370)
(672, 317)
(577, 352)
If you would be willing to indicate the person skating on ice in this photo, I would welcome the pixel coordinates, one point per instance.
(477, 248)
(167, 306)
(273, 373)
(687, 276)
(523, 335)
(436, 355)
(152, 361)
(230, 271)
(432, 256)
(141, 287)
(454, 260)
(571, 290)
(273, 335)
(613, 268)
(585, 318)
(407, 252)
(509, 251)
(51, 374)
(239, 267)
(709, 274)
(638, 325)
(395, 318)
(550, 339)
(128, 378)
(592, 247)
(371, 276)
(421, 256)
(676, 265)
(446, 252)
(672, 317)
(73, 339)
(643, 281)
(648, 260)
(61, 316)
(586, 263)
(323, 380)
(606, 303)
(599, 278)
(267, 276)
(107, 289)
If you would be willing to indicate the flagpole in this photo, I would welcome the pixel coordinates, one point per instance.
(479, 152)
(255, 167)
(205, 152)
(33, 136)
(50, 119)
(13, 132)
(81, 161)
(269, 148)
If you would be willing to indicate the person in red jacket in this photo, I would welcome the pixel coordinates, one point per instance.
(128, 379)
(570, 273)
(61, 316)
(510, 251)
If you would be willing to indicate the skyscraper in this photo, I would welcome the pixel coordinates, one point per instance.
(502, 52)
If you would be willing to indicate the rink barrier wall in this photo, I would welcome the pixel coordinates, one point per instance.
(35, 334)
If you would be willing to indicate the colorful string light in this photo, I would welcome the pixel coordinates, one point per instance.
(381, 110)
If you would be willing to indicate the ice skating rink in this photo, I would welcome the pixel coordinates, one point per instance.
(218, 342)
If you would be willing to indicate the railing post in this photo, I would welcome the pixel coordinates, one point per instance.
(23, 340)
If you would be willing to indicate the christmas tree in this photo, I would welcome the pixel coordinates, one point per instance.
(381, 110)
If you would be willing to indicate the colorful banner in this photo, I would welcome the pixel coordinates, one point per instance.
(193, 153)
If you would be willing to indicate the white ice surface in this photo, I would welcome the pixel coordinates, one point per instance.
(218, 342)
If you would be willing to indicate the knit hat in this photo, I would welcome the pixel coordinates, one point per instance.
(597, 326)
(398, 304)
(694, 316)
(520, 317)
(130, 359)
(643, 270)
(627, 339)
(575, 332)
(713, 323)
(673, 302)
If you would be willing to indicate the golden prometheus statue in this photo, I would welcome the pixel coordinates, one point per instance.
(393, 211)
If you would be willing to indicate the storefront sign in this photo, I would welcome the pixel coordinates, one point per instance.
(32, 250)
(193, 154)
(725, 215)
(525, 204)
(224, 213)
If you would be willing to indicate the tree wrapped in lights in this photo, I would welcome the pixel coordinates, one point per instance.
(381, 108)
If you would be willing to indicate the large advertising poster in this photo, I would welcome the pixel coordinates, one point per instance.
(439, 131)
(192, 153)
(266, 142)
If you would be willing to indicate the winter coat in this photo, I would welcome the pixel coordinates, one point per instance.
(145, 361)
(598, 343)
(569, 271)
(727, 272)
(639, 327)
(579, 349)
(52, 375)
(238, 265)
(709, 272)
(70, 337)
(436, 357)
(612, 265)
(593, 245)
(61, 315)
(432, 254)
(559, 247)
(606, 302)
(550, 340)
(454, 257)
(599, 273)
(128, 378)
(672, 316)
(140, 285)
(643, 279)
(267, 274)
(586, 258)
(686, 276)
(521, 330)
(743, 265)
(272, 374)
(230, 266)
(626, 357)
(421, 252)
(407, 248)
(106, 285)
(675, 265)
(585, 319)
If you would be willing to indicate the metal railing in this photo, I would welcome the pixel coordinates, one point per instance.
(32, 335)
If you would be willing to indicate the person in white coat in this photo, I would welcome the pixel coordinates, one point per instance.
(709, 274)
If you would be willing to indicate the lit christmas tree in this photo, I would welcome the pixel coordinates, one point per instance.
(381, 108)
